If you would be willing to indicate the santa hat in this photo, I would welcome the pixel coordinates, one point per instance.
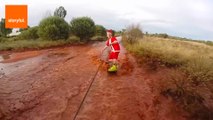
(110, 31)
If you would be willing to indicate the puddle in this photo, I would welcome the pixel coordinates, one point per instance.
(20, 66)
(4, 57)
(15, 57)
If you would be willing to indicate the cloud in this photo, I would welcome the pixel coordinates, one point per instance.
(185, 18)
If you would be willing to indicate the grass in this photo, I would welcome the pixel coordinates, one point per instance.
(30, 44)
(19, 43)
(163, 35)
(187, 55)
(15, 44)
(193, 59)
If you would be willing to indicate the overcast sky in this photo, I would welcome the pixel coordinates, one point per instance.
(184, 18)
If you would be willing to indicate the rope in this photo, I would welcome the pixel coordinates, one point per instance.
(93, 79)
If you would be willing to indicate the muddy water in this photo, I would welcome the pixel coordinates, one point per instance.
(50, 85)
(127, 95)
(2, 66)
(42, 86)
(4, 57)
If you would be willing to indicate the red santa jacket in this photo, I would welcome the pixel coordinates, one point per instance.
(114, 47)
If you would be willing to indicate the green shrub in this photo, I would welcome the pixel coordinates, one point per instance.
(53, 28)
(11, 39)
(3, 39)
(23, 29)
(83, 27)
(74, 39)
(132, 34)
(100, 30)
(161, 35)
(98, 38)
(31, 33)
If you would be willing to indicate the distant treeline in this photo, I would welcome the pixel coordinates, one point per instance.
(164, 35)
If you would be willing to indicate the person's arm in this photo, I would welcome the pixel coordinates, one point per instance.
(115, 42)
(104, 49)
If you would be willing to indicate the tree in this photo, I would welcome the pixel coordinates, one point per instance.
(23, 29)
(4, 31)
(133, 33)
(53, 28)
(31, 33)
(100, 30)
(60, 12)
(83, 27)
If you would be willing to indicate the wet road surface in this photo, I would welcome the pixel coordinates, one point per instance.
(50, 85)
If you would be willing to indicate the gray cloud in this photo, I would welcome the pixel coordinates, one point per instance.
(185, 18)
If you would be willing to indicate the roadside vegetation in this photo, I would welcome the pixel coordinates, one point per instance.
(191, 63)
(100, 33)
(52, 31)
(164, 35)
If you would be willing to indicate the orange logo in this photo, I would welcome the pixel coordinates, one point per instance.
(16, 16)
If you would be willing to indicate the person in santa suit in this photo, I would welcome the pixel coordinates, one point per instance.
(114, 50)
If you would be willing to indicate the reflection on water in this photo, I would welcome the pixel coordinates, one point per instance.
(4, 57)
(11, 68)
(2, 66)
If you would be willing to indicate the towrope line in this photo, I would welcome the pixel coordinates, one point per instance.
(93, 79)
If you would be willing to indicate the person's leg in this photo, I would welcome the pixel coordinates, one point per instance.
(110, 59)
(113, 58)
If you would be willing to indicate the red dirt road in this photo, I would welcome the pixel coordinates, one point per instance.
(50, 85)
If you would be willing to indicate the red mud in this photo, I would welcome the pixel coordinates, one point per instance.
(21, 56)
(53, 87)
